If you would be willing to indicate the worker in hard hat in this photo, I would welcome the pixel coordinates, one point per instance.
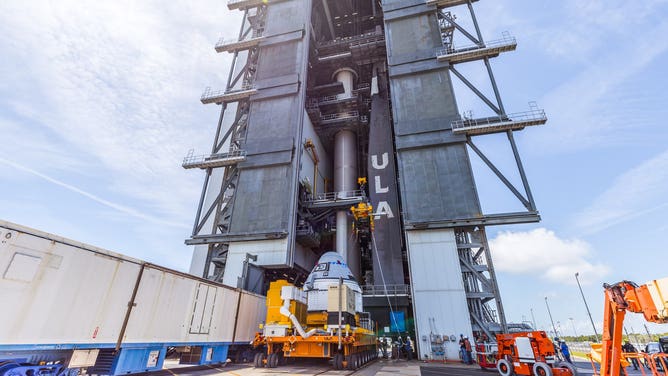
(409, 348)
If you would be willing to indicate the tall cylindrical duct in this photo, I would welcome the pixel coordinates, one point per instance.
(345, 165)
(345, 181)
(346, 76)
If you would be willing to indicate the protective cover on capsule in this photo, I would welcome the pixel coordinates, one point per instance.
(327, 271)
(330, 266)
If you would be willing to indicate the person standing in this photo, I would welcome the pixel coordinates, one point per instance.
(383, 347)
(565, 352)
(409, 348)
(557, 349)
(462, 349)
(469, 350)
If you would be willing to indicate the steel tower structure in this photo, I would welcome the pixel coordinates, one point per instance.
(323, 92)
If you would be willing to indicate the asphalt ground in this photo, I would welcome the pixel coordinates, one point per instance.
(381, 367)
(584, 368)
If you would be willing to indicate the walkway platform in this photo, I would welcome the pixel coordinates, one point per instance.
(448, 3)
(473, 52)
(496, 124)
(242, 4)
(335, 200)
(213, 160)
(221, 96)
(231, 45)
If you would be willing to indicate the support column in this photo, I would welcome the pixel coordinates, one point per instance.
(345, 168)
(345, 180)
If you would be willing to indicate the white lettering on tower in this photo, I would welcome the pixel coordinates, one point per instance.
(383, 210)
(379, 188)
(374, 161)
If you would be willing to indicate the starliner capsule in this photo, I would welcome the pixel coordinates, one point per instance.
(325, 319)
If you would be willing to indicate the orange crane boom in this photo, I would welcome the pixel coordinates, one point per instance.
(650, 299)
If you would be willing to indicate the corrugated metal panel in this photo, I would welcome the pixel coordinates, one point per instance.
(268, 197)
(437, 184)
(439, 299)
(268, 252)
(436, 178)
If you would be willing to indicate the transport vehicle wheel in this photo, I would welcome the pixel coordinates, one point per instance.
(257, 360)
(505, 368)
(352, 360)
(263, 362)
(338, 361)
(541, 369)
(569, 367)
(272, 360)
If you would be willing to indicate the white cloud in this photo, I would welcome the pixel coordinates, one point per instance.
(639, 191)
(542, 253)
(596, 107)
(589, 67)
(118, 207)
(116, 86)
(585, 28)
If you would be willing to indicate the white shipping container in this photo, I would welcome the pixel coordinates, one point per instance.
(175, 308)
(64, 292)
(252, 312)
(60, 291)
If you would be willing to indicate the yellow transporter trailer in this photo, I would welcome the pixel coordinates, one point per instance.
(317, 322)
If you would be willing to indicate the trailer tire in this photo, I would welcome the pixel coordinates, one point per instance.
(352, 362)
(257, 360)
(338, 361)
(569, 367)
(505, 368)
(272, 360)
(542, 369)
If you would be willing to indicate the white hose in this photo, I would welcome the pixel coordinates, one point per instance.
(285, 311)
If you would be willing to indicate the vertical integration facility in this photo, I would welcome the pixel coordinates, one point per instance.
(330, 104)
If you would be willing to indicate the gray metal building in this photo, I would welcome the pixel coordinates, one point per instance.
(324, 92)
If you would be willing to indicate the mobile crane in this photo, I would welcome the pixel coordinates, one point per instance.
(650, 299)
(529, 353)
(532, 353)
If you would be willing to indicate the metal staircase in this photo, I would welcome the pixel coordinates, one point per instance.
(216, 202)
(482, 293)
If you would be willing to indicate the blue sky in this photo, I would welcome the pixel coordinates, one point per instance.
(99, 103)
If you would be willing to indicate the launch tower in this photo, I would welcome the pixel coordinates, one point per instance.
(334, 103)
